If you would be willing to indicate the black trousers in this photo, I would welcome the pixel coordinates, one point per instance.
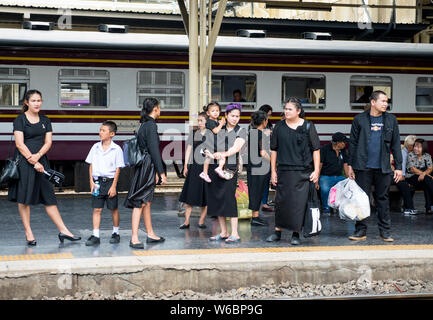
(381, 183)
(403, 186)
(426, 185)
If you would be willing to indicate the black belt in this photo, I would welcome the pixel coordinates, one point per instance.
(104, 179)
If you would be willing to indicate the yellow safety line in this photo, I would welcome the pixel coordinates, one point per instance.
(282, 249)
(22, 257)
(247, 64)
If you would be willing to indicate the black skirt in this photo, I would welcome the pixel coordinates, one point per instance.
(33, 187)
(256, 187)
(143, 184)
(194, 191)
(221, 195)
(291, 199)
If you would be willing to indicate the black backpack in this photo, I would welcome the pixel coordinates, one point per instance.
(132, 154)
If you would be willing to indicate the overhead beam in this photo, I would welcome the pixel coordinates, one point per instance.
(301, 5)
(184, 13)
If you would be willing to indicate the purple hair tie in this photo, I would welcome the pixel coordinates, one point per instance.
(234, 106)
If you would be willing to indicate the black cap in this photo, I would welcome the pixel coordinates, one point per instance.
(339, 137)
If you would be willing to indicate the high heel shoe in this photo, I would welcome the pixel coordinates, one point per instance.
(63, 236)
(31, 242)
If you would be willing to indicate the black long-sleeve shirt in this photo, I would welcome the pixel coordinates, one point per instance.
(148, 139)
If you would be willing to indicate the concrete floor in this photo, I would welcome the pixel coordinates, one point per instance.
(77, 215)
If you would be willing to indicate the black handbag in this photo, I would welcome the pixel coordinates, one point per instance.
(10, 170)
(312, 224)
(132, 154)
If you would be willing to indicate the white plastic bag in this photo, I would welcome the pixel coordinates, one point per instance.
(350, 200)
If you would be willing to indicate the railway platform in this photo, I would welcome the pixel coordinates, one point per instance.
(188, 260)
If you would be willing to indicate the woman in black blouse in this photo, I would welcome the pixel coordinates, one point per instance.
(221, 192)
(33, 138)
(295, 147)
(140, 194)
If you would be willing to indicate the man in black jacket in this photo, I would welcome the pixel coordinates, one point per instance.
(373, 136)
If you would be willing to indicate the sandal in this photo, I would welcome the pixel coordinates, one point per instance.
(218, 237)
(232, 239)
(220, 172)
(205, 177)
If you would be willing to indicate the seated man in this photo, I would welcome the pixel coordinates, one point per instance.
(333, 160)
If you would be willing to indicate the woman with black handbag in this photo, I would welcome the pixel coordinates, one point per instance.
(146, 174)
(295, 147)
(33, 139)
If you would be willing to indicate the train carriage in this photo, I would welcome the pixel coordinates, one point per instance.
(89, 77)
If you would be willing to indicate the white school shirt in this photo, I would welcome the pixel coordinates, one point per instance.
(105, 163)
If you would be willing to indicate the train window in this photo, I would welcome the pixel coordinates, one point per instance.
(361, 88)
(167, 86)
(13, 85)
(424, 94)
(229, 88)
(309, 89)
(83, 88)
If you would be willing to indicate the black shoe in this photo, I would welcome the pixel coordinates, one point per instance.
(31, 242)
(202, 226)
(295, 239)
(358, 235)
(93, 241)
(273, 237)
(63, 236)
(138, 245)
(257, 221)
(184, 226)
(150, 240)
(115, 238)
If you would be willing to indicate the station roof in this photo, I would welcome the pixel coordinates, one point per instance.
(163, 17)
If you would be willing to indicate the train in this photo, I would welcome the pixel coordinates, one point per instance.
(87, 77)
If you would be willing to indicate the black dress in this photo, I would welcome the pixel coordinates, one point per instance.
(258, 169)
(32, 187)
(143, 183)
(194, 191)
(295, 164)
(221, 192)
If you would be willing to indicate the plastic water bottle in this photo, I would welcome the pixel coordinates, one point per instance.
(95, 191)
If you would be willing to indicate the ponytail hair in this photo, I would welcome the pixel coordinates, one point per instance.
(257, 118)
(298, 105)
(27, 96)
(148, 105)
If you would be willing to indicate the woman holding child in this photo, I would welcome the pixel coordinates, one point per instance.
(221, 192)
(140, 194)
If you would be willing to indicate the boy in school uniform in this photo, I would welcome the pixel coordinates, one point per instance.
(105, 159)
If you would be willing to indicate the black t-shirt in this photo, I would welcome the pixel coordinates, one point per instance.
(211, 124)
(294, 147)
(332, 165)
(34, 133)
(148, 139)
(257, 141)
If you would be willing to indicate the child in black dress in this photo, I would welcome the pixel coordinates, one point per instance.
(194, 191)
(213, 110)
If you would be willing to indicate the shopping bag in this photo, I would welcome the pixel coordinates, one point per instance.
(350, 200)
(312, 224)
(242, 200)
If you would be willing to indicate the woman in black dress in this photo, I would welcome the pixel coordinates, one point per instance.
(258, 167)
(221, 192)
(33, 139)
(295, 147)
(194, 191)
(140, 194)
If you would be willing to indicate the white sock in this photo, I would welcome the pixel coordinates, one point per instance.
(96, 232)
(116, 230)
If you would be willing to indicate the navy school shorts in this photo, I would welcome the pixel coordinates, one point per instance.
(99, 201)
